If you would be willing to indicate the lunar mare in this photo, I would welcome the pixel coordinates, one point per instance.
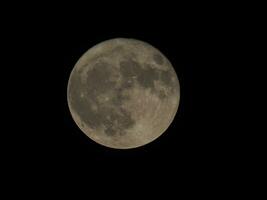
(123, 93)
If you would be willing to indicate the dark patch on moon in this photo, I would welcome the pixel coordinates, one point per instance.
(158, 58)
(166, 77)
(132, 71)
(145, 76)
(129, 68)
(107, 115)
(98, 79)
(161, 94)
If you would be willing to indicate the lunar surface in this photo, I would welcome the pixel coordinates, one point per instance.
(123, 93)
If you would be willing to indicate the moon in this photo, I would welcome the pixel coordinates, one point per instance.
(123, 93)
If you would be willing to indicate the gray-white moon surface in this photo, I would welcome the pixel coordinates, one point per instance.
(123, 93)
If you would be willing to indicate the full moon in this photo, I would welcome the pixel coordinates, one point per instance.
(123, 93)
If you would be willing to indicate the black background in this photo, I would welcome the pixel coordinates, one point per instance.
(44, 143)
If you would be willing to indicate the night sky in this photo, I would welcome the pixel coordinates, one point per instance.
(43, 140)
